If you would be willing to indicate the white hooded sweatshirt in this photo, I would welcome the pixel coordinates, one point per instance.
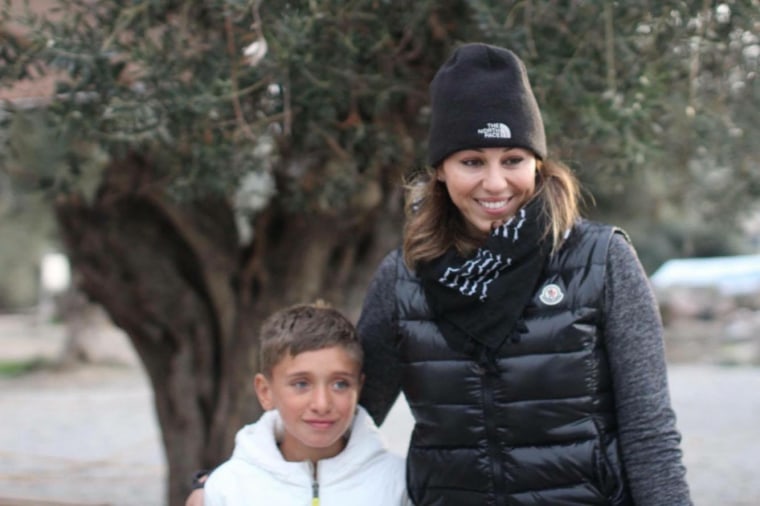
(365, 472)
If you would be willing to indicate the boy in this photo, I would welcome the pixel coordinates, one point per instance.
(314, 445)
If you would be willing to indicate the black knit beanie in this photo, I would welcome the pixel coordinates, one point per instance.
(481, 97)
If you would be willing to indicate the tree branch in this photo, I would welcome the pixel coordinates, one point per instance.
(232, 51)
(609, 55)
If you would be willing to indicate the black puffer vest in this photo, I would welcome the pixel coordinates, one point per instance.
(537, 424)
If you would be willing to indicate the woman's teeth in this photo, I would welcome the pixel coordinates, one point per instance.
(493, 205)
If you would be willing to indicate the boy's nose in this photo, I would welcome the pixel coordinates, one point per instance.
(321, 401)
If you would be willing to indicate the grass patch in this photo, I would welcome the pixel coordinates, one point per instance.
(10, 369)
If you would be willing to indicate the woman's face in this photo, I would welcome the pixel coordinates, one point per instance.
(489, 185)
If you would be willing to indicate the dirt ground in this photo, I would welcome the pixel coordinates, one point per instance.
(88, 435)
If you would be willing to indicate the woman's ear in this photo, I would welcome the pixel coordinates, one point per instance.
(263, 391)
(439, 175)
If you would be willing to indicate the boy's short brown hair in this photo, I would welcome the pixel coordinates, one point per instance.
(305, 327)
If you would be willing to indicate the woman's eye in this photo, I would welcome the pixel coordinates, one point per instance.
(513, 160)
(471, 162)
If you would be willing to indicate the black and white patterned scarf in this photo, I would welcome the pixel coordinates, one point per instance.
(477, 301)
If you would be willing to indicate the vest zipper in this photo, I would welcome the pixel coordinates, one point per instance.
(497, 466)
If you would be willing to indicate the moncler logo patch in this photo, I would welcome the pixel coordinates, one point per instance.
(495, 131)
(551, 295)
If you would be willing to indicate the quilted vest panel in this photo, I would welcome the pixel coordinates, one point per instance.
(534, 426)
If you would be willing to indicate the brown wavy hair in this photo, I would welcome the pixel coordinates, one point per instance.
(434, 224)
(305, 327)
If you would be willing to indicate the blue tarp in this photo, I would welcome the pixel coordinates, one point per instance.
(730, 275)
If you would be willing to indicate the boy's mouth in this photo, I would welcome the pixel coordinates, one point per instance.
(321, 424)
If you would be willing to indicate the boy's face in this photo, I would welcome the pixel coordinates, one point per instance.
(316, 394)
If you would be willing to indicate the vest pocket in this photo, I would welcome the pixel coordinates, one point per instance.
(609, 471)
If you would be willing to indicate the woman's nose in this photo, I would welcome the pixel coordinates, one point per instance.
(494, 179)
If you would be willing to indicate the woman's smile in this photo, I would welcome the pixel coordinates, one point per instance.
(493, 205)
(489, 185)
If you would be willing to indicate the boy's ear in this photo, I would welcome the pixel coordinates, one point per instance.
(263, 391)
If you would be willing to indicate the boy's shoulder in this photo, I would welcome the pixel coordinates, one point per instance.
(256, 445)
(366, 448)
(373, 473)
(257, 469)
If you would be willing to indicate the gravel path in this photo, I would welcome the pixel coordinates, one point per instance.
(88, 436)
(718, 412)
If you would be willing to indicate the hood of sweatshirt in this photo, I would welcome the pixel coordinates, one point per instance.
(256, 444)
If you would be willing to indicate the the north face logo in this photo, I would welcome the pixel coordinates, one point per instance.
(495, 131)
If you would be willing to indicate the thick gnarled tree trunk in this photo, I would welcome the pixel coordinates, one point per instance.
(173, 276)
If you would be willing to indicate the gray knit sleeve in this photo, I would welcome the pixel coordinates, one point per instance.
(377, 329)
(649, 439)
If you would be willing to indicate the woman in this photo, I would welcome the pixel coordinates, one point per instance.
(527, 341)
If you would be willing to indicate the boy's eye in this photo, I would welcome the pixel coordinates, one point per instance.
(342, 385)
(300, 384)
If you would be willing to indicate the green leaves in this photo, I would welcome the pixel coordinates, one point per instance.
(626, 89)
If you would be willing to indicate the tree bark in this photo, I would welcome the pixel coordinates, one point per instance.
(173, 276)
